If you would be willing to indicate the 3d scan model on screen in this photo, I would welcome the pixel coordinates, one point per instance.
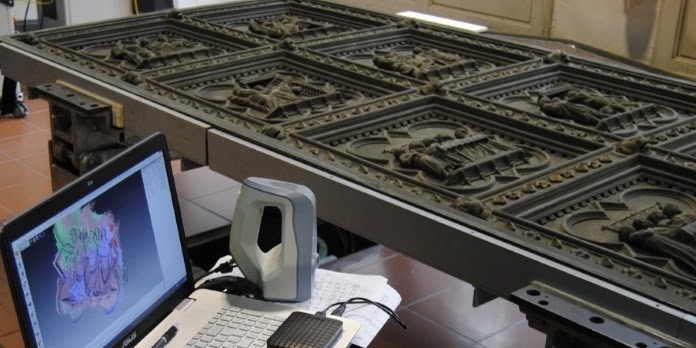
(89, 261)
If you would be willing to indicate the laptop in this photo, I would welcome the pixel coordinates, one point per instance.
(103, 262)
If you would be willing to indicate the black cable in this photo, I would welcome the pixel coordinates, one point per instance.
(224, 267)
(361, 300)
(26, 14)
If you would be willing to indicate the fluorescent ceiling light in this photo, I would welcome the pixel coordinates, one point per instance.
(444, 21)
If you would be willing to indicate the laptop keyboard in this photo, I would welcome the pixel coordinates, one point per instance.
(236, 327)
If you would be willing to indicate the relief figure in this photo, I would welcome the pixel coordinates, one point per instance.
(417, 63)
(584, 108)
(278, 27)
(448, 158)
(276, 91)
(264, 99)
(422, 161)
(667, 232)
(143, 49)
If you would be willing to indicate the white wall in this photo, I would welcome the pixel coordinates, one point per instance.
(627, 28)
(84, 11)
(20, 7)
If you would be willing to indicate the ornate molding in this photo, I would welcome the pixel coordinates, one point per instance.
(644, 79)
(657, 280)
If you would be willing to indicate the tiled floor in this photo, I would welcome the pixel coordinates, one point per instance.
(436, 307)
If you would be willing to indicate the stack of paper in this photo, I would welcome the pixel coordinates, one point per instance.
(331, 287)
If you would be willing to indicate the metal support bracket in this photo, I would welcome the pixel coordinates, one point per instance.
(482, 297)
(117, 119)
(568, 322)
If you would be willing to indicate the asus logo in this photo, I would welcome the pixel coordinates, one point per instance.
(129, 339)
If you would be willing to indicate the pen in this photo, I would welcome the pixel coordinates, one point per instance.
(167, 337)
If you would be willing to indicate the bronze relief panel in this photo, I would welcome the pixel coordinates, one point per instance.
(640, 207)
(612, 106)
(288, 25)
(152, 44)
(420, 55)
(276, 87)
(295, 21)
(450, 146)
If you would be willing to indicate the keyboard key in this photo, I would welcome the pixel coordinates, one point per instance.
(228, 344)
(221, 337)
(201, 344)
(236, 332)
(259, 343)
(263, 337)
(214, 331)
(215, 344)
(256, 330)
(234, 339)
(260, 325)
(226, 332)
(242, 316)
(244, 343)
(206, 339)
(252, 335)
(232, 325)
(264, 321)
(238, 320)
(197, 337)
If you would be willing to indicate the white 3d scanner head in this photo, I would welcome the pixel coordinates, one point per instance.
(286, 272)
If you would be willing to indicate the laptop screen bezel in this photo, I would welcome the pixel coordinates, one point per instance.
(62, 199)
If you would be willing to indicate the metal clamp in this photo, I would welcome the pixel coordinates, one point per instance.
(569, 323)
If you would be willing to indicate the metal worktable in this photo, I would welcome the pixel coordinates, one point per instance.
(512, 242)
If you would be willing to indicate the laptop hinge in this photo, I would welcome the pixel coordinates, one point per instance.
(184, 305)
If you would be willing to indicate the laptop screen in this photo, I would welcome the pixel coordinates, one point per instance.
(89, 273)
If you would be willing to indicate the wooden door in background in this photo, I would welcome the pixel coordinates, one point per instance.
(676, 41)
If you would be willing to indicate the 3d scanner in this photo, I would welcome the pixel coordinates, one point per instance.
(285, 272)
